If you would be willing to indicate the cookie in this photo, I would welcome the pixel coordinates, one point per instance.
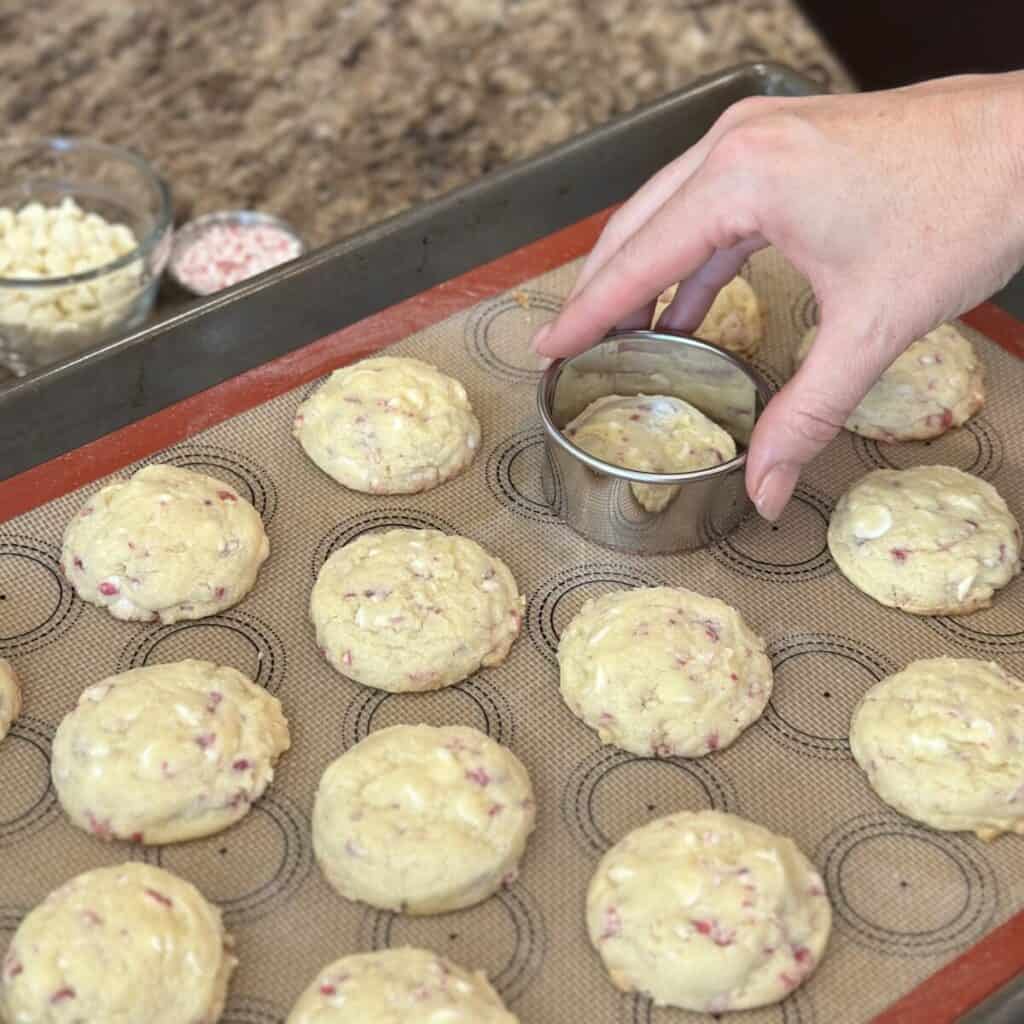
(422, 820)
(400, 986)
(653, 433)
(663, 672)
(389, 426)
(734, 321)
(707, 912)
(120, 945)
(943, 742)
(10, 697)
(167, 753)
(931, 540)
(938, 383)
(168, 544)
(414, 609)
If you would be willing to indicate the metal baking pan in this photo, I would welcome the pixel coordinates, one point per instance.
(58, 409)
(74, 402)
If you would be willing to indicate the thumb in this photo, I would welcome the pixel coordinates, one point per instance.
(810, 410)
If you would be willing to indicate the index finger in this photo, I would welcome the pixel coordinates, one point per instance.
(663, 250)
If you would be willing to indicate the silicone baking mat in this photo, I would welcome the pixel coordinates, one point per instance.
(906, 900)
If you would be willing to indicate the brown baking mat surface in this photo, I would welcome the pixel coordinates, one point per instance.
(906, 900)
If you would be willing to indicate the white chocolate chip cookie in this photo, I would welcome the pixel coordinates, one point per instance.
(389, 426)
(943, 742)
(422, 820)
(931, 540)
(167, 544)
(167, 753)
(663, 671)
(10, 697)
(935, 385)
(707, 912)
(734, 321)
(653, 433)
(414, 609)
(121, 945)
(399, 986)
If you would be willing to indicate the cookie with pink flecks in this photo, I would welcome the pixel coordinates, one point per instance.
(412, 610)
(931, 540)
(423, 820)
(935, 385)
(402, 986)
(10, 697)
(709, 912)
(121, 945)
(663, 672)
(168, 544)
(169, 752)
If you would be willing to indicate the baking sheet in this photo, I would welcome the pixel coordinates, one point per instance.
(906, 899)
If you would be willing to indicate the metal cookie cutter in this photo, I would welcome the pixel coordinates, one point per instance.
(594, 497)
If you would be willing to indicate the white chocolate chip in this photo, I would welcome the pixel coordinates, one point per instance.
(872, 522)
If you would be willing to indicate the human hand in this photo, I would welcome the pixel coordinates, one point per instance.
(902, 208)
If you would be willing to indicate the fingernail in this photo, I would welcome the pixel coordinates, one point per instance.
(543, 362)
(539, 337)
(776, 489)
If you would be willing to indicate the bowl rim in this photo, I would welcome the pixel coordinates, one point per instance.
(163, 221)
(549, 380)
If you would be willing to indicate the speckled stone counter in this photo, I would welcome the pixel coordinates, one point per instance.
(334, 115)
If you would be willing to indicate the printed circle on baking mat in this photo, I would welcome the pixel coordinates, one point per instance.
(241, 1010)
(994, 630)
(369, 522)
(236, 470)
(611, 792)
(794, 1009)
(975, 448)
(11, 918)
(498, 333)
(515, 476)
(552, 606)
(233, 638)
(27, 799)
(819, 680)
(474, 702)
(803, 314)
(37, 603)
(251, 868)
(504, 936)
(795, 550)
(770, 374)
(902, 889)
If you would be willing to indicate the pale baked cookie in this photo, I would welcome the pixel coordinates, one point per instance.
(389, 426)
(167, 544)
(168, 752)
(399, 986)
(931, 540)
(10, 697)
(707, 912)
(943, 742)
(414, 609)
(734, 321)
(653, 433)
(121, 945)
(933, 386)
(422, 820)
(663, 671)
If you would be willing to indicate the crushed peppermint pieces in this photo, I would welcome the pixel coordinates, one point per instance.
(225, 253)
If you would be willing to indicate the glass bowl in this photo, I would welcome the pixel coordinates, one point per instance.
(44, 319)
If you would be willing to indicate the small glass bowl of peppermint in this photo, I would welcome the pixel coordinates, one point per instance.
(218, 250)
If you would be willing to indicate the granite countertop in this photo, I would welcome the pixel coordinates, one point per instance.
(334, 115)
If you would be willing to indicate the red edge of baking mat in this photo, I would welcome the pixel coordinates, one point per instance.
(945, 995)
